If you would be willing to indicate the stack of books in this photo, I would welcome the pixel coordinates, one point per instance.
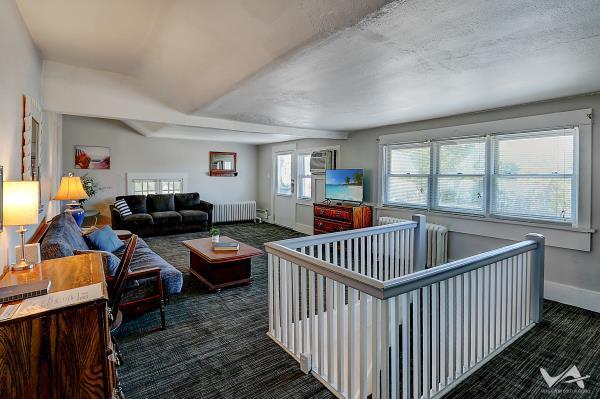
(24, 291)
(226, 246)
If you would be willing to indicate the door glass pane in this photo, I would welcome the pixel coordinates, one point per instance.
(284, 174)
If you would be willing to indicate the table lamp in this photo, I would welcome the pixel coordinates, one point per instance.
(21, 203)
(71, 189)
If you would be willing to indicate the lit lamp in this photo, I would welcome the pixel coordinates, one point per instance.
(21, 202)
(71, 189)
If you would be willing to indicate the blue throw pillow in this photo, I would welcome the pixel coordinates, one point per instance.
(105, 239)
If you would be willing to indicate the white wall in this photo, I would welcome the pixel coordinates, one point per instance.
(20, 73)
(133, 153)
(304, 212)
(571, 276)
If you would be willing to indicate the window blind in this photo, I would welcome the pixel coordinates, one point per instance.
(533, 175)
(460, 175)
(408, 173)
(529, 176)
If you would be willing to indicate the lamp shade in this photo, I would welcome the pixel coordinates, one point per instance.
(70, 189)
(20, 202)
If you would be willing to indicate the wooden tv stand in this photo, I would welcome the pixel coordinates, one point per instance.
(332, 218)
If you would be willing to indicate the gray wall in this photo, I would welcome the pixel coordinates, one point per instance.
(575, 268)
(131, 152)
(563, 266)
(20, 74)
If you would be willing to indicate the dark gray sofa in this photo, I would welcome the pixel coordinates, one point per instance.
(64, 237)
(158, 214)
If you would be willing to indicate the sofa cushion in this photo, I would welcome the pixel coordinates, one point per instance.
(187, 201)
(105, 239)
(138, 220)
(62, 238)
(137, 203)
(168, 217)
(144, 258)
(161, 203)
(193, 216)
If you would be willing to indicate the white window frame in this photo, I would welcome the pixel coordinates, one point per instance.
(489, 187)
(387, 175)
(300, 178)
(576, 236)
(145, 190)
(493, 173)
(132, 177)
(171, 186)
(435, 175)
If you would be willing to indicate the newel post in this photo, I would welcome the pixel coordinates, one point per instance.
(537, 303)
(419, 248)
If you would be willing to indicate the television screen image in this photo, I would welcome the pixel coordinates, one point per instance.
(344, 185)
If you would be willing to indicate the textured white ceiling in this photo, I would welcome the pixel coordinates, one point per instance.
(415, 60)
(186, 52)
(311, 64)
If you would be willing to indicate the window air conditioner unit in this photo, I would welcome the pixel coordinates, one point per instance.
(321, 161)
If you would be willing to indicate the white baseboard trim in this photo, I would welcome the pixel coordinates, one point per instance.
(304, 228)
(570, 295)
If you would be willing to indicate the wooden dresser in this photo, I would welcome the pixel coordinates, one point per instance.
(62, 351)
(331, 218)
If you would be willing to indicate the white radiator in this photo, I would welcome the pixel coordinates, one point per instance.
(437, 241)
(234, 211)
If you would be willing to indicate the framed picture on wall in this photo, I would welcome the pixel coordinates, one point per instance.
(92, 157)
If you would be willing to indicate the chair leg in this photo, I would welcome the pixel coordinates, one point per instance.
(117, 350)
(162, 315)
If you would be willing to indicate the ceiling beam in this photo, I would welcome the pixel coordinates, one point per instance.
(81, 91)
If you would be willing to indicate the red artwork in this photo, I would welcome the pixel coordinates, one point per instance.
(87, 157)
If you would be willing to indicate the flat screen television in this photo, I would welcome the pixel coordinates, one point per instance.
(344, 185)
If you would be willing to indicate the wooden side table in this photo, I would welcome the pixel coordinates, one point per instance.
(91, 213)
(63, 351)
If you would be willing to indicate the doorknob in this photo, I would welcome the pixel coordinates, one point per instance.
(293, 185)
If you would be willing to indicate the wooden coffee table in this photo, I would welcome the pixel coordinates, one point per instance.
(221, 269)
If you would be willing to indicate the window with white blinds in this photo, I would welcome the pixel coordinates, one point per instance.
(407, 175)
(459, 177)
(304, 177)
(529, 176)
(533, 175)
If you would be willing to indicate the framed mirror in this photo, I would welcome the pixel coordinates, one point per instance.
(31, 142)
(223, 163)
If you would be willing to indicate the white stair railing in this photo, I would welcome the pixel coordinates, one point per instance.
(361, 309)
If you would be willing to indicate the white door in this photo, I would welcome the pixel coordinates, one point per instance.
(284, 201)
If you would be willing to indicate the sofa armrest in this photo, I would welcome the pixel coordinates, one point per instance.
(145, 273)
(205, 206)
(208, 208)
(115, 217)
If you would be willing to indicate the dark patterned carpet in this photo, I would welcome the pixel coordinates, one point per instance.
(215, 345)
